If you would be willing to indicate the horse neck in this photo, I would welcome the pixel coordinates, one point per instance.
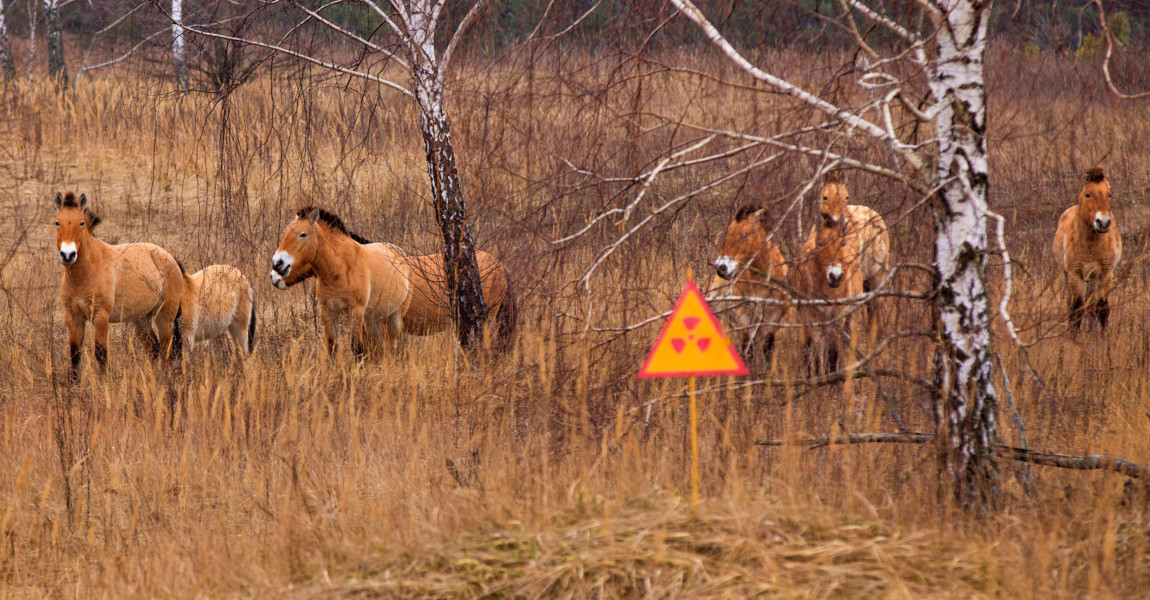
(763, 260)
(91, 259)
(335, 254)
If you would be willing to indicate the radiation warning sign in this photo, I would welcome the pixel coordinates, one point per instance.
(692, 343)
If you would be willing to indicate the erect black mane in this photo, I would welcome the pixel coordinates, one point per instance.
(746, 210)
(1095, 175)
(331, 220)
(93, 219)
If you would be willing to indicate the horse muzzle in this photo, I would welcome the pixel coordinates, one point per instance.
(1102, 224)
(281, 263)
(68, 254)
(278, 281)
(726, 268)
(834, 276)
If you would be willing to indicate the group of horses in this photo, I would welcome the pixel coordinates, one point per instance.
(381, 289)
(385, 292)
(846, 255)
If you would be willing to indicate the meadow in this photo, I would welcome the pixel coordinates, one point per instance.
(550, 471)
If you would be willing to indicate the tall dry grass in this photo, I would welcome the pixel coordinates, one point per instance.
(549, 471)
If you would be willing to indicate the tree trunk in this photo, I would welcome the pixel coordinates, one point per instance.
(462, 283)
(965, 410)
(54, 40)
(7, 67)
(178, 59)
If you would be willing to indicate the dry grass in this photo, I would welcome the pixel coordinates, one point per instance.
(550, 471)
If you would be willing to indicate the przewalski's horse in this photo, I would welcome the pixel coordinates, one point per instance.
(105, 283)
(408, 291)
(749, 260)
(1088, 247)
(865, 230)
(828, 270)
(218, 300)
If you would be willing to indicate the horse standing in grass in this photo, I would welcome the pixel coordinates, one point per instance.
(1088, 246)
(218, 300)
(829, 270)
(865, 230)
(749, 261)
(105, 283)
(378, 282)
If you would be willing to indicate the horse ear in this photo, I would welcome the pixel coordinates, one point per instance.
(313, 216)
(59, 202)
(763, 218)
(83, 201)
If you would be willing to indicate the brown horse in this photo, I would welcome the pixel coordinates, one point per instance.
(865, 230)
(105, 283)
(414, 285)
(829, 270)
(1088, 246)
(218, 300)
(749, 260)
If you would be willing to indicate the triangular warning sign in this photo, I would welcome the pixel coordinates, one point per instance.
(692, 343)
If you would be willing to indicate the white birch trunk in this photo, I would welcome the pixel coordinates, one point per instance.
(54, 40)
(178, 53)
(7, 67)
(462, 283)
(31, 37)
(966, 409)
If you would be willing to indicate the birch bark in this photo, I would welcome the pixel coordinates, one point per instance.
(965, 412)
(54, 40)
(178, 53)
(7, 67)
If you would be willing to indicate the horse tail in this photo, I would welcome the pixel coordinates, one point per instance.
(507, 317)
(177, 334)
(251, 321)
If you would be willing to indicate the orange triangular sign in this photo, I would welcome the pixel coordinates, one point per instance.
(692, 343)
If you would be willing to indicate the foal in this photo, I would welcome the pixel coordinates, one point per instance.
(1088, 247)
(865, 230)
(829, 271)
(105, 283)
(218, 300)
(749, 260)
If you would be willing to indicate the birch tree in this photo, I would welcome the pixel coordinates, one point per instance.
(179, 63)
(950, 170)
(7, 67)
(414, 25)
(54, 40)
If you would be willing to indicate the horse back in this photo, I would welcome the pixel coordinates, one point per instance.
(871, 240)
(427, 311)
(141, 277)
(388, 276)
(221, 294)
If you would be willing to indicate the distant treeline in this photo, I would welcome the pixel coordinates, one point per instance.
(1050, 25)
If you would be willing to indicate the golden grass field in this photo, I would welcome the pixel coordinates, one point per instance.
(550, 471)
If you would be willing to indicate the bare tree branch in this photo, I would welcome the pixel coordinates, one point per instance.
(1110, 51)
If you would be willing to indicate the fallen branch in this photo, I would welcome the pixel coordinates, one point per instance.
(1091, 462)
(854, 438)
(1082, 463)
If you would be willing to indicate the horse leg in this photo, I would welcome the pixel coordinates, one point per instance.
(165, 322)
(147, 337)
(76, 324)
(359, 331)
(330, 329)
(100, 337)
(395, 330)
(1076, 293)
(1102, 306)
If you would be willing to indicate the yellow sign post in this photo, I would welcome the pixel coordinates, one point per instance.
(692, 344)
